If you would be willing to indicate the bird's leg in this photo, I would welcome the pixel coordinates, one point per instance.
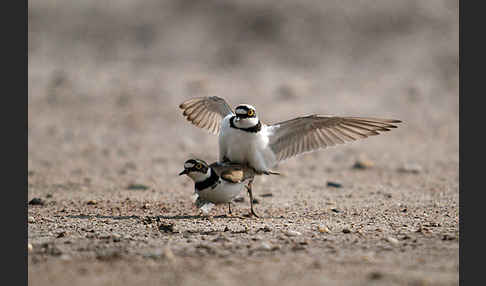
(229, 208)
(249, 188)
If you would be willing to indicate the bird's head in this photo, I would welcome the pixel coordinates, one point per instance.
(198, 170)
(245, 111)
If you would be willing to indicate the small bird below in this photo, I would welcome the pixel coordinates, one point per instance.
(218, 183)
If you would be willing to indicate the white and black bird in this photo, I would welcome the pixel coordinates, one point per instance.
(244, 139)
(218, 183)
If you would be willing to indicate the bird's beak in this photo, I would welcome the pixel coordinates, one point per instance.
(183, 172)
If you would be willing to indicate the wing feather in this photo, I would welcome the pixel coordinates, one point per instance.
(309, 133)
(206, 112)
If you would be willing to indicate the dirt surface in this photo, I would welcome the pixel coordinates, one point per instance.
(106, 142)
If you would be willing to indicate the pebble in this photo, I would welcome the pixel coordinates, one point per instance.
(375, 275)
(393, 241)
(91, 202)
(292, 233)
(323, 229)
(265, 246)
(410, 168)
(116, 237)
(264, 229)
(363, 164)
(37, 201)
(334, 184)
(137, 187)
(30, 248)
(346, 230)
(61, 234)
(31, 219)
(166, 227)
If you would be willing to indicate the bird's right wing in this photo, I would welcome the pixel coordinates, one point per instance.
(206, 112)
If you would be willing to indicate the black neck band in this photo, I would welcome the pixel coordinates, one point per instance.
(209, 182)
(253, 129)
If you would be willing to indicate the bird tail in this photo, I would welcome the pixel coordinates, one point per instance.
(272, 173)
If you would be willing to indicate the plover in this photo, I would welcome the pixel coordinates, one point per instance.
(244, 139)
(218, 183)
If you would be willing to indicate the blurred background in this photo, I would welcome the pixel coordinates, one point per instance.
(106, 139)
(106, 77)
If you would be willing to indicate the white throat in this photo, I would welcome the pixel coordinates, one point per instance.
(246, 122)
(198, 176)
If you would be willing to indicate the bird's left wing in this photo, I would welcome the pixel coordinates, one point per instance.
(233, 172)
(206, 112)
(309, 133)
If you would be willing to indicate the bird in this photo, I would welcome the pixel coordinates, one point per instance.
(218, 183)
(245, 139)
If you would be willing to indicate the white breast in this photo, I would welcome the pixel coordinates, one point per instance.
(223, 193)
(246, 147)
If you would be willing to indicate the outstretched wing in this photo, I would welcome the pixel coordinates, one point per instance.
(310, 133)
(233, 172)
(206, 112)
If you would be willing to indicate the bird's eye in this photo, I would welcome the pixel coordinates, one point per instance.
(199, 166)
(250, 112)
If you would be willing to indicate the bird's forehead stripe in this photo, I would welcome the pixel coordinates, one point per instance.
(188, 165)
(243, 108)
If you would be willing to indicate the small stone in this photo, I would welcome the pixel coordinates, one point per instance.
(363, 164)
(221, 237)
(335, 210)
(116, 237)
(31, 219)
(65, 257)
(264, 229)
(346, 230)
(30, 248)
(448, 237)
(323, 229)
(375, 275)
(91, 202)
(393, 241)
(265, 246)
(135, 187)
(298, 247)
(410, 168)
(292, 233)
(166, 227)
(334, 184)
(61, 234)
(37, 201)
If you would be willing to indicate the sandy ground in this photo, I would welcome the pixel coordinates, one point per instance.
(106, 142)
